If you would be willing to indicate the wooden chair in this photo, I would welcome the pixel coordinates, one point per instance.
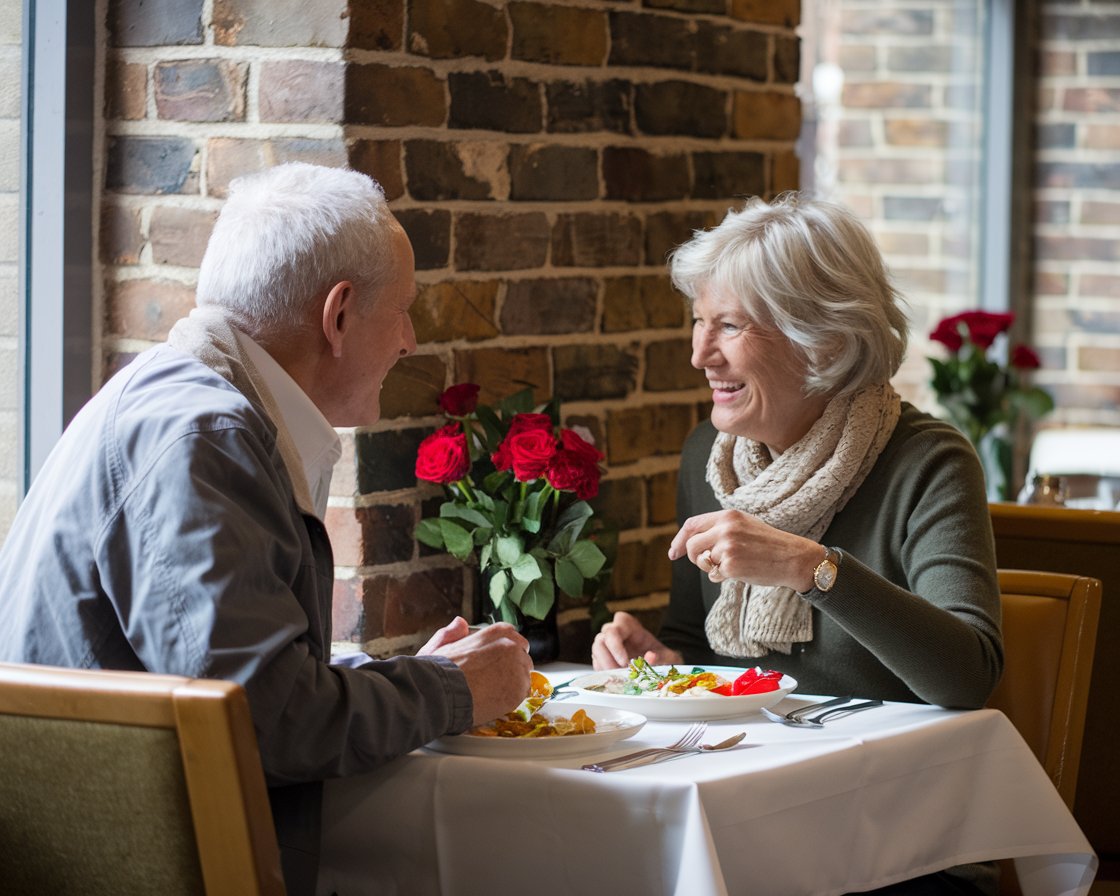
(125, 782)
(1049, 637)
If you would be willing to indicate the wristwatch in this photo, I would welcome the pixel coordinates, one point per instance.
(824, 576)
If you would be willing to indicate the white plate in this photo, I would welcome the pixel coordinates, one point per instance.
(702, 706)
(611, 725)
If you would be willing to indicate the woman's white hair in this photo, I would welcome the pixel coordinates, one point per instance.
(810, 269)
(287, 234)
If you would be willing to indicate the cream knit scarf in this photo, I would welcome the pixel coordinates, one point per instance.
(800, 492)
(207, 334)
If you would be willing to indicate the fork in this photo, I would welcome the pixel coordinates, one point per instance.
(689, 739)
(795, 714)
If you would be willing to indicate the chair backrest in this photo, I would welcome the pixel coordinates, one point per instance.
(126, 782)
(1049, 637)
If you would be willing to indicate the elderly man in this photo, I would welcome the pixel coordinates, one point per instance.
(176, 527)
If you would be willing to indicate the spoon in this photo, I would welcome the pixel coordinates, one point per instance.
(723, 744)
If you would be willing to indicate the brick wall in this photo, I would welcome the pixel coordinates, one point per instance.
(895, 147)
(1077, 210)
(543, 157)
(896, 141)
(11, 13)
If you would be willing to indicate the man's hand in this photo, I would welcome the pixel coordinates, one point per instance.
(494, 659)
(624, 638)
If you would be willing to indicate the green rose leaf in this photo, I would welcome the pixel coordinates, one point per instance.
(568, 577)
(526, 569)
(467, 514)
(458, 541)
(587, 557)
(508, 549)
(538, 598)
(499, 588)
(428, 531)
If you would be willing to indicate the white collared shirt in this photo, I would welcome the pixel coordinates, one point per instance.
(315, 440)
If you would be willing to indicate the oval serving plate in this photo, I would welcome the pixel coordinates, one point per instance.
(700, 706)
(611, 726)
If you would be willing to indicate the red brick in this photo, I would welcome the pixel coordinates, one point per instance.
(229, 157)
(887, 95)
(121, 240)
(669, 367)
(662, 498)
(371, 535)
(1098, 358)
(1101, 136)
(786, 13)
(500, 242)
(500, 372)
(146, 309)
(647, 431)
(200, 90)
(641, 303)
(785, 172)
(412, 387)
(179, 235)
(596, 240)
(455, 309)
(769, 115)
(376, 25)
(394, 96)
(126, 91)
(280, 23)
(456, 29)
(642, 567)
(558, 35)
(381, 160)
(550, 306)
(1094, 100)
(422, 601)
(299, 90)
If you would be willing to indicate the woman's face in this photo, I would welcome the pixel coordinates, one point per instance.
(757, 376)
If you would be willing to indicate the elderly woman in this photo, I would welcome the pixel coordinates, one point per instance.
(827, 528)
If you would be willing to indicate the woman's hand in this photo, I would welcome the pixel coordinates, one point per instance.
(624, 638)
(730, 544)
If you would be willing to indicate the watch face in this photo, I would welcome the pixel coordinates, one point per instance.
(825, 575)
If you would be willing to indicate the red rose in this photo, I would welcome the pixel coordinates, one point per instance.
(985, 326)
(530, 452)
(502, 458)
(573, 441)
(575, 471)
(459, 400)
(1024, 357)
(947, 334)
(982, 326)
(443, 456)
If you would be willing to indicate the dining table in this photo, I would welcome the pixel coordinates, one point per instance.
(872, 798)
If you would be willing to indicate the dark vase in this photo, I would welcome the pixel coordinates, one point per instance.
(543, 637)
(542, 634)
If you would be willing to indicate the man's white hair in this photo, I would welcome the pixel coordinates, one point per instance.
(287, 234)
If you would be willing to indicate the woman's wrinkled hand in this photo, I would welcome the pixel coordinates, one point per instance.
(730, 544)
(624, 638)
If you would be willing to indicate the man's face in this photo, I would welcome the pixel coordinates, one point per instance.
(379, 338)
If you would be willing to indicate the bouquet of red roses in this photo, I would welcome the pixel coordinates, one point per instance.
(517, 486)
(982, 397)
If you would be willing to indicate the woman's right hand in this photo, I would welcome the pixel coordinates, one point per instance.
(624, 638)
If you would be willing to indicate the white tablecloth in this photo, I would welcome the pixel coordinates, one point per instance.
(873, 798)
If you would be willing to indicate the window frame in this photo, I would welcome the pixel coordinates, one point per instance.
(56, 215)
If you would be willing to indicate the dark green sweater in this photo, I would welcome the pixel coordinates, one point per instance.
(914, 615)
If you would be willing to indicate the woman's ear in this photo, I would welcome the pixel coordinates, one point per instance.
(337, 309)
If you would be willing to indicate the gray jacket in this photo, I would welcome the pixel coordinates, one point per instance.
(162, 534)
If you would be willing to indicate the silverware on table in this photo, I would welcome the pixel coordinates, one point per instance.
(805, 710)
(690, 738)
(662, 755)
(817, 721)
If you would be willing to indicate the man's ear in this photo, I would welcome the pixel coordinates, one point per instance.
(337, 310)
